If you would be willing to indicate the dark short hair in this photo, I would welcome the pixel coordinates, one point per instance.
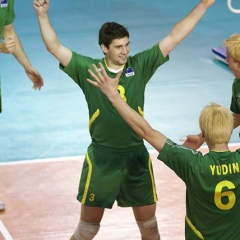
(110, 31)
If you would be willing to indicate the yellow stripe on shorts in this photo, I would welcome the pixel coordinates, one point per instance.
(151, 174)
(88, 179)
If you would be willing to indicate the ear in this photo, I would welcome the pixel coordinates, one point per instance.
(104, 48)
(238, 65)
(203, 134)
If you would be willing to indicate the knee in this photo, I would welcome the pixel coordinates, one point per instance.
(86, 230)
(149, 229)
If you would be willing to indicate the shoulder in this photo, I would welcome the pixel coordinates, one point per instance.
(81, 60)
(154, 49)
(236, 82)
(175, 150)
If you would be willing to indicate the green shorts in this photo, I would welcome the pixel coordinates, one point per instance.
(122, 175)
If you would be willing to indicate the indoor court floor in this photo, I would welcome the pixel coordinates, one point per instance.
(40, 197)
(44, 134)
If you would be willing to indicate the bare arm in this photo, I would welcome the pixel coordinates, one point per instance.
(194, 141)
(138, 123)
(184, 27)
(49, 35)
(109, 87)
(236, 120)
(12, 44)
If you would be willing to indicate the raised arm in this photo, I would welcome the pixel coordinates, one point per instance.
(109, 87)
(236, 120)
(12, 44)
(49, 35)
(184, 27)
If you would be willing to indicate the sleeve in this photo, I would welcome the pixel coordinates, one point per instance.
(11, 13)
(150, 60)
(77, 68)
(235, 101)
(181, 159)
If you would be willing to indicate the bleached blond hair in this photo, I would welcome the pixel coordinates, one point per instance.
(216, 122)
(233, 45)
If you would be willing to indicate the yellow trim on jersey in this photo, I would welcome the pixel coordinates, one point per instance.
(112, 70)
(220, 151)
(151, 174)
(88, 179)
(94, 116)
(194, 229)
(140, 111)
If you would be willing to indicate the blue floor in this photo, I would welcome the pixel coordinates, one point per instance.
(53, 122)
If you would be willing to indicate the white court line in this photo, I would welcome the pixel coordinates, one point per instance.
(71, 158)
(229, 3)
(5, 232)
(81, 158)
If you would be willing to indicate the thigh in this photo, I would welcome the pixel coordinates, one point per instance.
(144, 212)
(100, 179)
(138, 189)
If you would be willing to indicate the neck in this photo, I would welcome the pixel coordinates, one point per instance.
(237, 76)
(218, 147)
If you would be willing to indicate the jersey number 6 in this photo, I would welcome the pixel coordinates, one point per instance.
(228, 197)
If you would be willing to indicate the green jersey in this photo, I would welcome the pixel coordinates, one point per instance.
(7, 14)
(212, 190)
(235, 103)
(107, 128)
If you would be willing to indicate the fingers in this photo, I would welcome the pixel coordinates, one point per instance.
(37, 87)
(41, 6)
(9, 43)
(98, 76)
(9, 38)
(93, 75)
(92, 82)
(100, 73)
(35, 77)
(38, 84)
(183, 139)
(39, 3)
(102, 70)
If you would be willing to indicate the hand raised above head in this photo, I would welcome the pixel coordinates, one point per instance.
(208, 3)
(41, 6)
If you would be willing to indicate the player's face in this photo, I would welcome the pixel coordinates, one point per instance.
(117, 53)
(233, 65)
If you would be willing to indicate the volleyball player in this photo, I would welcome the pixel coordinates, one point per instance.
(212, 180)
(11, 44)
(117, 165)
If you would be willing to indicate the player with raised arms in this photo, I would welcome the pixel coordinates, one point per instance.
(212, 180)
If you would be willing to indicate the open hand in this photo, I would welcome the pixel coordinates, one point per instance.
(106, 84)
